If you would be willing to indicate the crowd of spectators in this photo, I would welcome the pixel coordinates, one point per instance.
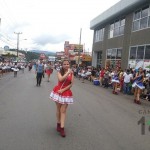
(124, 79)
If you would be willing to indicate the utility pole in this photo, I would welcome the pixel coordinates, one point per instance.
(18, 33)
(79, 51)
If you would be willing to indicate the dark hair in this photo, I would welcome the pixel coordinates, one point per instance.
(62, 71)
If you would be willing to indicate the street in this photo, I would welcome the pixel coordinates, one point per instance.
(98, 120)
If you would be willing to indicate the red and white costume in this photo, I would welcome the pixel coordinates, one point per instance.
(66, 97)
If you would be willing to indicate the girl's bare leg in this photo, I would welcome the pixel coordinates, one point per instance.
(58, 113)
(135, 93)
(63, 114)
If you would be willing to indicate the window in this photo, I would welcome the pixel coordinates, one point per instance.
(121, 30)
(118, 54)
(144, 12)
(109, 51)
(133, 53)
(117, 28)
(136, 25)
(122, 22)
(137, 15)
(141, 19)
(149, 22)
(114, 53)
(140, 52)
(143, 23)
(117, 24)
(99, 35)
(147, 52)
(116, 32)
(99, 59)
(113, 57)
(111, 33)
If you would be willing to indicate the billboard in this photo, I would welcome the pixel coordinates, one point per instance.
(60, 53)
(51, 58)
(78, 48)
(42, 56)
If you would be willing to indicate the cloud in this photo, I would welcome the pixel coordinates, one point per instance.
(45, 39)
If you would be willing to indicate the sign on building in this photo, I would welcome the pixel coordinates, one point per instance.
(51, 58)
(78, 48)
(42, 56)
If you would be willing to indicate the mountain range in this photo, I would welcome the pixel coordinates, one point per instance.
(45, 52)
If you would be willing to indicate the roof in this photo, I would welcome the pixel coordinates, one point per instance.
(119, 9)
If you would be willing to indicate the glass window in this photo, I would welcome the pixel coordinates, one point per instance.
(117, 28)
(114, 53)
(98, 35)
(118, 54)
(117, 24)
(140, 52)
(121, 30)
(101, 34)
(133, 53)
(141, 19)
(136, 25)
(149, 22)
(143, 23)
(122, 22)
(109, 51)
(111, 26)
(99, 55)
(147, 52)
(116, 31)
(144, 12)
(137, 15)
(111, 33)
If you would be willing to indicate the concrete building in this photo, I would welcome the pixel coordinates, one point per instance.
(122, 35)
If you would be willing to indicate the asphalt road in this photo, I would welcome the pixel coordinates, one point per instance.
(98, 120)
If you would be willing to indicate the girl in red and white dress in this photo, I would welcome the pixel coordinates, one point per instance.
(49, 70)
(62, 95)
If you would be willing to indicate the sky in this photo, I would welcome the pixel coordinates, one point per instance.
(47, 24)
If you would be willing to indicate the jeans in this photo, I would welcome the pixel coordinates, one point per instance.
(126, 88)
(39, 78)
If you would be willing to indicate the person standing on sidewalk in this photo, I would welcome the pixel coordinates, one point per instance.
(39, 70)
(62, 95)
(127, 81)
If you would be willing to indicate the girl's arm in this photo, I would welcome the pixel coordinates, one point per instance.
(142, 78)
(62, 78)
(136, 76)
(67, 87)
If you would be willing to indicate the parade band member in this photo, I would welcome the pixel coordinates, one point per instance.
(49, 70)
(62, 95)
(115, 81)
(138, 85)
